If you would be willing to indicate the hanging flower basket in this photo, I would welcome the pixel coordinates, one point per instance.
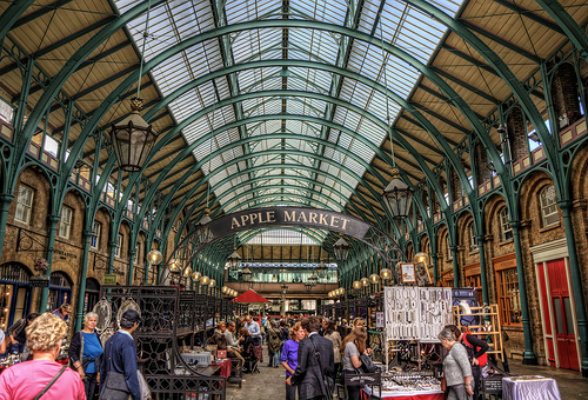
(41, 265)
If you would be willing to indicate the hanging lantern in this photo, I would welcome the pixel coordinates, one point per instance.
(132, 139)
(341, 249)
(174, 266)
(212, 283)
(374, 279)
(397, 196)
(196, 276)
(246, 274)
(365, 282)
(385, 274)
(154, 257)
(421, 258)
(356, 285)
(204, 280)
(341, 291)
(233, 260)
(203, 232)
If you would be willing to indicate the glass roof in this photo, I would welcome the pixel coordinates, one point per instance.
(283, 237)
(275, 122)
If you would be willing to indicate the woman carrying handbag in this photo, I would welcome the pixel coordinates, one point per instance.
(85, 352)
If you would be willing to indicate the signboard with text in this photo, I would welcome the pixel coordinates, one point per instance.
(109, 279)
(288, 216)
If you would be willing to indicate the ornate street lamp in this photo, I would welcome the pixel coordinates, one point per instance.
(374, 279)
(233, 260)
(132, 139)
(212, 283)
(154, 257)
(174, 266)
(341, 249)
(421, 258)
(196, 276)
(385, 274)
(187, 272)
(397, 196)
(204, 280)
(246, 273)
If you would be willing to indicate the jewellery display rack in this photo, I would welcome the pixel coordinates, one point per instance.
(163, 322)
(486, 325)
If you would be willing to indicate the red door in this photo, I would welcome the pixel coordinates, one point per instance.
(562, 315)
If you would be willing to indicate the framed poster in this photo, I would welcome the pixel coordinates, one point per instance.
(408, 273)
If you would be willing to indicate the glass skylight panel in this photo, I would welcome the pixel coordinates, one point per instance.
(251, 45)
(332, 12)
(285, 237)
(315, 42)
(246, 10)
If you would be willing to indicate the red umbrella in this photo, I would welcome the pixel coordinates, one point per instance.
(250, 296)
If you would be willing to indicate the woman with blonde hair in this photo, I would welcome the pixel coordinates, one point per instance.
(354, 345)
(42, 376)
(85, 352)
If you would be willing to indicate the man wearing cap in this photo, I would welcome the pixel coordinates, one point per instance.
(118, 369)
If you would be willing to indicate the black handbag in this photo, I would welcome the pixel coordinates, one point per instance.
(367, 365)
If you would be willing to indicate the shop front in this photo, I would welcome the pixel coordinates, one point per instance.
(556, 302)
(15, 293)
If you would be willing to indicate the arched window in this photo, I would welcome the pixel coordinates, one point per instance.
(59, 290)
(505, 228)
(547, 200)
(15, 293)
(472, 236)
(92, 294)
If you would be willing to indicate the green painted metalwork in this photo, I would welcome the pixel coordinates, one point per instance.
(10, 17)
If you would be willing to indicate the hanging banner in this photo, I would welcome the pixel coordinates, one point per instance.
(288, 216)
(416, 313)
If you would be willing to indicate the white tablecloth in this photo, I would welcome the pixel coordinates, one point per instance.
(532, 389)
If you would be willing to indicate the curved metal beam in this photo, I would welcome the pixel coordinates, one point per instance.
(11, 15)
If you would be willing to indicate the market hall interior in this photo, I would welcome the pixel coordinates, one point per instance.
(412, 163)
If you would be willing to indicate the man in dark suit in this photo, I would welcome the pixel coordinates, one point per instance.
(315, 372)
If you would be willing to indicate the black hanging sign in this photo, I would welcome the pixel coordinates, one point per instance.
(288, 216)
(39, 281)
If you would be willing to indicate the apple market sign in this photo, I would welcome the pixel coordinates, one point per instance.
(288, 216)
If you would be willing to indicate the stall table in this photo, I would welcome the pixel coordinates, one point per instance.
(422, 395)
(530, 388)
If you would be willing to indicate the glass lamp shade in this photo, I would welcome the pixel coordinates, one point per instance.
(203, 232)
(212, 283)
(132, 139)
(224, 290)
(233, 260)
(421, 258)
(246, 273)
(196, 276)
(204, 280)
(385, 274)
(234, 293)
(188, 272)
(341, 291)
(341, 249)
(154, 257)
(374, 278)
(397, 196)
(356, 285)
(174, 266)
(330, 294)
(365, 282)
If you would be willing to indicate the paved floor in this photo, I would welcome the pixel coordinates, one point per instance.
(269, 384)
(571, 384)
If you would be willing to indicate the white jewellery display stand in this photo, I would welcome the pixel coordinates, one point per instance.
(416, 313)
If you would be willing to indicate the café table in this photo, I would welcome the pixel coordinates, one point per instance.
(531, 387)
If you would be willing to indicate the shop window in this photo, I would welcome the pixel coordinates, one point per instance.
(505, 228)
(507, 290)
(547, 200)
(117, 250)
(15, 294)
(51, 146)
(60, 287)
(96, 231)
(24, 204)
(65, 222)
(92, 294)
